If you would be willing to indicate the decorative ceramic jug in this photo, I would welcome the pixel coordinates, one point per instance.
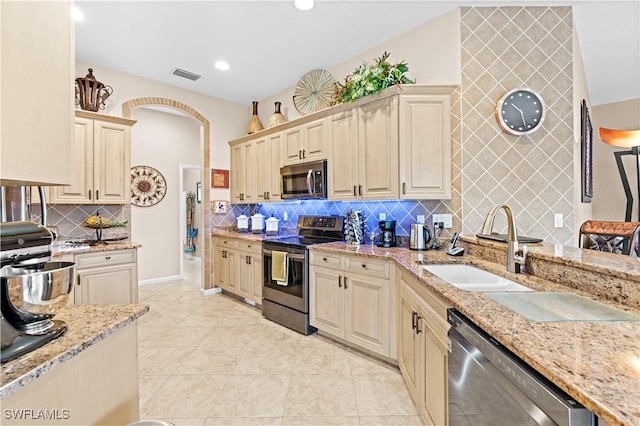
(254, 124)
(277, 117)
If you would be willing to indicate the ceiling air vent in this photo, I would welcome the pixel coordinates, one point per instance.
(186, 74)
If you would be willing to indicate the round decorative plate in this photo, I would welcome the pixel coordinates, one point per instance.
(313, 92)
(148, 186)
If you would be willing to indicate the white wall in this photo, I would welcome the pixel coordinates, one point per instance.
(583, 211)
(162, 141)
(431, 50)
(609, 201)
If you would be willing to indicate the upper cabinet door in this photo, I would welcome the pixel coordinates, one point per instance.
(425, 147)
(38, 67)
(81, 168)
(111, 163)
(292, 145)
(378, 149)
(314, 138)
(343, 156)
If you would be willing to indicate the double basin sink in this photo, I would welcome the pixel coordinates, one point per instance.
(533, 305)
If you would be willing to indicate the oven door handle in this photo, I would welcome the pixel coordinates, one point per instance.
(291, 255)
(309, 188)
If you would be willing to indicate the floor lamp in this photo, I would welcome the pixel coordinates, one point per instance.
(625, 139)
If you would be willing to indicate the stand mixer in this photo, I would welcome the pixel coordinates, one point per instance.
(32, 289)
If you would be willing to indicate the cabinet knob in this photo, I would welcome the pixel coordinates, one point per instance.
(324, 259)
(107, 258)
(364, 265)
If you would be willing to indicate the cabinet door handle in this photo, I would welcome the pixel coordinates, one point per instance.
(78, 279)
(345, 282)
(299, 155)
(97, 195)
(355, 190)
(107, 258)
(89, 194)
(359, 189)
(249, 260)
(340, 281)
(268, 195)
(304, 153)
(413, 320)
(418, 318)
(404, 188)
(246, 260)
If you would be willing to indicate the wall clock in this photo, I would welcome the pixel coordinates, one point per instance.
(148, 186)
(520, 111)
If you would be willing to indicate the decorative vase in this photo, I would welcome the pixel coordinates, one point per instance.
(254, 124)
(277, 117)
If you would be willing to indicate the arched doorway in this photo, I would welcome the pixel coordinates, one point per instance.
(205, 167)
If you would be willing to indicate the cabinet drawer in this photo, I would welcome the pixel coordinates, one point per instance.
(367, 266)
(225, 242)
(104, 258)
(253, 247)
(322, 258)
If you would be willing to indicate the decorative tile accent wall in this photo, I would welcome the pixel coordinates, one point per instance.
(504, 48)
(69, 220)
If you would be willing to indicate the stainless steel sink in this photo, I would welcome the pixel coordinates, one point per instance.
(558, 307)
(470, 278)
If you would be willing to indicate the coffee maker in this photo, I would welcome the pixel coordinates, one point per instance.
(33, 289)
(387, 233)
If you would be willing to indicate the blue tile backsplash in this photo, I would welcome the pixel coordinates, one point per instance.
(404, 212)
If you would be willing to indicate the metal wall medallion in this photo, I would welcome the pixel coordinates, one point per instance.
(148, 186)
(313, 92)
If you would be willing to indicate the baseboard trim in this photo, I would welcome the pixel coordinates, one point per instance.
(209, 291)
(158, 280)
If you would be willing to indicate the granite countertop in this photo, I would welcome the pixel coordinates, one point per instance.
(233, 233)
(58, 250)
(87, 325)
(597, 363)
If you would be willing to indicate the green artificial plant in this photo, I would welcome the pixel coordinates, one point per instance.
(368, 79)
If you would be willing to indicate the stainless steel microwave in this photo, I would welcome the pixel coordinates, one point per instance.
(304, 181)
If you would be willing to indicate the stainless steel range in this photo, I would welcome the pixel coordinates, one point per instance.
(285, 296)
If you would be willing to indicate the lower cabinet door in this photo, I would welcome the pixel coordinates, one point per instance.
(434, 367)
(256, 289)
(367, 319)
(326, 301)
(245, 275)
(109, 285)
(408, 344)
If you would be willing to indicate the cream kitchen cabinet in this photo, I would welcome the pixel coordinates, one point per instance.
(268, 163)
(106, 277)
(37, 77)
(422, 348)
(243, 173)
(238, 267)
(425, 144)
(101, 160)
(352, 299)
(305, 143)
(364, 152)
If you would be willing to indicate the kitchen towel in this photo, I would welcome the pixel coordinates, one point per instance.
(280, 267)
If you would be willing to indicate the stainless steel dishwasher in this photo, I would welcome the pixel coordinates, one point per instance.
(489, 385)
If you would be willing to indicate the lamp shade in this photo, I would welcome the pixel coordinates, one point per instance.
(621, 138)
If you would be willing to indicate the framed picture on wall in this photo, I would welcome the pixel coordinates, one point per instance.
(586, 142)
(220, 178)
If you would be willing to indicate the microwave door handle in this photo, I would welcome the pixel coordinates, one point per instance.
(309, 188)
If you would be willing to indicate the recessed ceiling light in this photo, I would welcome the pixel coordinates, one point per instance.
(76, 14)
(221, 65)
(303, 4)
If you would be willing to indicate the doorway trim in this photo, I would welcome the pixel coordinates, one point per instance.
(205, 167)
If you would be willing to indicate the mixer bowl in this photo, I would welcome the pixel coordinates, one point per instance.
(33, 294)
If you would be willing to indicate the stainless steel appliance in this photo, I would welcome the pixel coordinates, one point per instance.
(33, 289)
(287, 303)
(387, 233)
(489, 385)
(16, 204)
(420, 236)
(304, 181)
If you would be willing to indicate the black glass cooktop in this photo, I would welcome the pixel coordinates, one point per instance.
(300, 241)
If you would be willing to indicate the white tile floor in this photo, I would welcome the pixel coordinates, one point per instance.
(210, 360)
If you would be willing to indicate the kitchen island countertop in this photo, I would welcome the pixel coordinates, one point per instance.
(597, 362)
(87, 325)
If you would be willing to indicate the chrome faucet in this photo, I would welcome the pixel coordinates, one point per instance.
(515, 258)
